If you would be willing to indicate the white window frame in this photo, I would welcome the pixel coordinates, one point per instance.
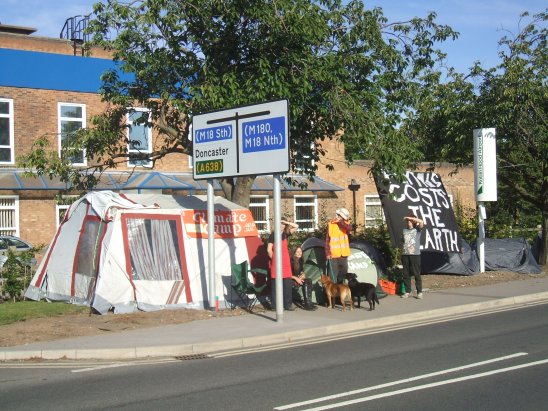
(148, 129)
(62, 119)
(368, 221)
(266, 205)
(58, 209)
(14, 230)
(63, 207)
(298, 201)
(10, 117)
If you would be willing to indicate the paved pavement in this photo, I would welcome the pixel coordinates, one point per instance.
(218, 335)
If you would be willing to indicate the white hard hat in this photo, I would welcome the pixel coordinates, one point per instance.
(343, 213)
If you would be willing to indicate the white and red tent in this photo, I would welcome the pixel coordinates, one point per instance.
(127, 252)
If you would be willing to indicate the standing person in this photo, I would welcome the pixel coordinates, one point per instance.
(411, 253)
(300, 279)
(288, 229)
(337, 245)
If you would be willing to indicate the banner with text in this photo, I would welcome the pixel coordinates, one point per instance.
(228, 224)
(424, 195)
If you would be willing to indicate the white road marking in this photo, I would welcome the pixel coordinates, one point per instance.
(126, 364)
(425, 386)
(406, 380)
(352, 334)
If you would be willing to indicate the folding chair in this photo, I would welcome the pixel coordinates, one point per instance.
(243, 287)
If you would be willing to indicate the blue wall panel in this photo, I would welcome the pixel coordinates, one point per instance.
(30, 69)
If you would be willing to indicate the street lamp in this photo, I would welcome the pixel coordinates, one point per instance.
(354, 187)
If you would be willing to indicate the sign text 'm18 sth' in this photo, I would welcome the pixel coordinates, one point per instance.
(212, 134)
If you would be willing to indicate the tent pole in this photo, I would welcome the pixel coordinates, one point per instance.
(211, 242)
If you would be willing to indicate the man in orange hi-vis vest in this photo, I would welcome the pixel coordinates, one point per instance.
(337, 246)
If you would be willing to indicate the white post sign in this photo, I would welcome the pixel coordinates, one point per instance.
(485, 180)
(248, 140)
(485, 164)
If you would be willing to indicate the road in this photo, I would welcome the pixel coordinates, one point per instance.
(488, 362)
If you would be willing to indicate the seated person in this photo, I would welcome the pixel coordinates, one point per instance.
(300, 280)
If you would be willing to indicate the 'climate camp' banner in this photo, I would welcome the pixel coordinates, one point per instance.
(424, 195)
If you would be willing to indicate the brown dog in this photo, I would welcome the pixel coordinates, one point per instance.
(333, 290)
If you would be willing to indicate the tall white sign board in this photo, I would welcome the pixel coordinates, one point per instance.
(485, 180)
(248, 140)
(485, 164)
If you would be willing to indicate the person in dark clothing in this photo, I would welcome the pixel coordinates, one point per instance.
(288, 228)
(411, 253)
(300, 279)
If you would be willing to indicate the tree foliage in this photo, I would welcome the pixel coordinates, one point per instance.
(16, 273)
(512, 97)
(340, 66)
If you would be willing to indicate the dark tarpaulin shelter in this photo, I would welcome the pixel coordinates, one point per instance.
(464, 263)
(509, 254)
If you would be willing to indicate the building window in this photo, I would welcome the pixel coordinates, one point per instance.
(304, 162)
(259, 207)
(6, 131)
(62, 206)
(9, 215)
(306, 212)
(139, 136)
(72, 117)
(374, 215)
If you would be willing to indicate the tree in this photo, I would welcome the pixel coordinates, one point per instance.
(340, 66)
(510, 97)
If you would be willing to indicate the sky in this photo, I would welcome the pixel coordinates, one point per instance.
(481, 23)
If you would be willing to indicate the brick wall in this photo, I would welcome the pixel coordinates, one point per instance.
(45, 45)
(459, 185)
(36, 115)
(37, 216)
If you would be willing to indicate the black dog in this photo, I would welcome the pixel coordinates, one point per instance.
(365, 290)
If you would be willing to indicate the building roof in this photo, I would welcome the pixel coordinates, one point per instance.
(16, 179)
(6, 28)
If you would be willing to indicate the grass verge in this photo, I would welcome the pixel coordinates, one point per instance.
(11, 312)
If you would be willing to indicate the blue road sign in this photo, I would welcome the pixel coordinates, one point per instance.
(213, 134)
(263, 135)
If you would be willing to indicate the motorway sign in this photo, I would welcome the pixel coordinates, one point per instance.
(248, 140)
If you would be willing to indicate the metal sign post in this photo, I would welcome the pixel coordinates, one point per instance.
(248, 140)
(278, 249)
(211, 244)
(485, 180)
(481, 236)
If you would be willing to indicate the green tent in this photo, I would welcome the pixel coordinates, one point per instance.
(365, 261)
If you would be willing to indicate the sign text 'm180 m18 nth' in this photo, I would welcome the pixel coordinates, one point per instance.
(248, 140)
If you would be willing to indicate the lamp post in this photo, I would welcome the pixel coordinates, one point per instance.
(354, 187)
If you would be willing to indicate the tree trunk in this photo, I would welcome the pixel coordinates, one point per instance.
(238, 190)
(242, 190)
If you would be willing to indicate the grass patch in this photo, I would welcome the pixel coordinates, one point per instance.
(11, 312)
